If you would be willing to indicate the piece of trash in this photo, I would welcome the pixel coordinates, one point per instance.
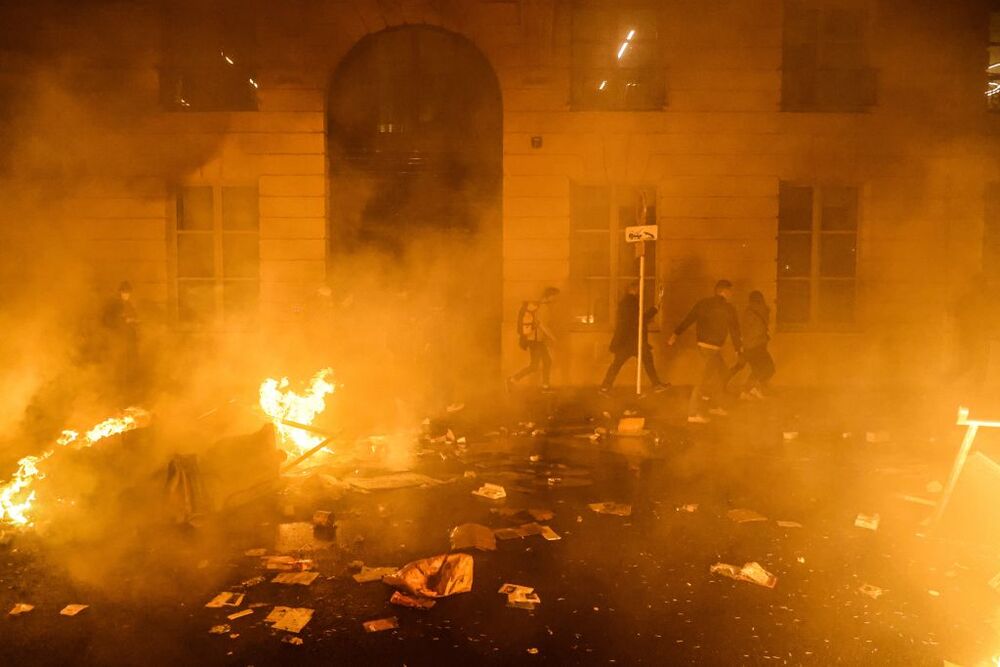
(508, 589)
(380, 624)
(521, 597)
(300, 578)
(491, 491)
(934, 593)
(541, 515)
(508, 533)
(252, 581)
(439, 576)
(322, 518)
(869, 521)
(287, 563)
(617, 509)
(369, 574)
(534, 458)
(290, 619)
(745, 516)
(20, 608)
(255, 552)
(219, 630)
(470, 474)
(239, 614)
(72, 609)
(461, 440)
(877, 436)
(410, 601)
(549, 534)
(874, 592)
(292, 640)
(800, 559)
(533, 651)
(226, 599)
(631, 425)
(690, 507)
(790, 435)
(473, 536)
(934, 487)
(789, 524)
(751, 572)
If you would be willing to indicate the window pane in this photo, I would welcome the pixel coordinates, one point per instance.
(794, 255)
(239, 208)
(840, 209)
(590, 207)
(794, 208)
(837, 255)
(793, 302)
(195, 256)
(589, 302)
(194, 209)
(239, 298)
(195, 301)
(240, 255)
(590, 255)
(836, 301)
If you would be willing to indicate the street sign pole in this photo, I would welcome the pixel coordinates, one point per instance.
(640, 250)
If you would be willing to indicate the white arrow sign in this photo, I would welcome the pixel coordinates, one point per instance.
(641, 233)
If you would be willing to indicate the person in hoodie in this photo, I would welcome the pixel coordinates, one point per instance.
(715, 320)
(625, 342)
(755, 325)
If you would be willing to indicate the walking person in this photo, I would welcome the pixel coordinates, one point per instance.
(121, 323)
(535, 335)
(755, 328)
(625, 341)
(715, 320)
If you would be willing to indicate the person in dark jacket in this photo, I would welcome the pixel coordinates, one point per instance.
(625, 342)
(715, 319)
(120, 320)
(755, 325)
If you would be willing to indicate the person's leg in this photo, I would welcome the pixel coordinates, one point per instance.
(545, 359)
(532, 365)
(694, 403)
(649, 365)
(613, 369)
(715, 370)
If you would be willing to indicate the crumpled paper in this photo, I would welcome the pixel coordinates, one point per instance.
(435, 577)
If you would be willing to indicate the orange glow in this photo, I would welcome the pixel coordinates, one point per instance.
(280, 403)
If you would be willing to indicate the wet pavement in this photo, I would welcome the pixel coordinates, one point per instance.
(614, 589)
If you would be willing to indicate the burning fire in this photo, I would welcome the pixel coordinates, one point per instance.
(283, 404)
(17, 496)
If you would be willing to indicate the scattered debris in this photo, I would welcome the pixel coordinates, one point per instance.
(874, 592)
(322, 518)
(617, 509)
(690, 507)
(533, 651)
(751, 572)
(72, 609)
(286, 563)
(789, 524)
(20, 608)
(300, 578)
(520, 597)
(292, 640)
(398, 480)
(369, 574)
(219, 630)
(541, 515)
(473, 536)
(491, 491)
(933, 593)
(631, 426)
(255, 552)
(869, 521)
(439, 576)
(239, 614)
(745, 516)
(877, 437)
(299, 536)
(550, 534)
(226, 599)
(290, 619)
(252, 581)
(380, 624)
(410, 601)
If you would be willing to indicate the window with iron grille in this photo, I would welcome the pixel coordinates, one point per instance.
(617, 61)
(601, 262)
(217, 256)
(817, 256)
(825, 63)
(993, 62)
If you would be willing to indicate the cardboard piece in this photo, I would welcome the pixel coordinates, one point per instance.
(72, 609)
(239, 614)
(300, 578)
(410, 601)
(869, 521)
(617, 509)
(491, 491)
(751, 572)
(381, 624)
(745, 516)
(874, 592)
(370, 574)
(225, 599)
(290, 619)
(436, 577)
(473, 536)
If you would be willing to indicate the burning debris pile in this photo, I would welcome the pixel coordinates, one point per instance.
(289, 410)
(17, 497)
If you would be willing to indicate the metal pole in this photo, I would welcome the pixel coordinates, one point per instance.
(956, 470)
(642, 294)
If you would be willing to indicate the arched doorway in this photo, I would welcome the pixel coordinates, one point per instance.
(414, 131)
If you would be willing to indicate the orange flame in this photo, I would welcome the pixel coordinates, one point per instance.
(17, 496)
(281, 403)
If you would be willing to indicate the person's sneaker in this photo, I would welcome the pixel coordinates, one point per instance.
(756, 393)
(697, 419)
(718, 412)
(660, 388)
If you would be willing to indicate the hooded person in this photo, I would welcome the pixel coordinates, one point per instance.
(755, 328)
(625, 341)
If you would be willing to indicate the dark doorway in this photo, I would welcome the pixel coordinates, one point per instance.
(415, 179)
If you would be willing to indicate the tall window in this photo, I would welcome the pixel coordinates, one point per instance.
(218, 255)
(208, 53)
(817, 255)
(991, 234)
(993, 64)
(617, 63)
(825, 63)
(601, 262)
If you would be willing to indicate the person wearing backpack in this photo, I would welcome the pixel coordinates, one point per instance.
(534, 336)
(756, 321)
